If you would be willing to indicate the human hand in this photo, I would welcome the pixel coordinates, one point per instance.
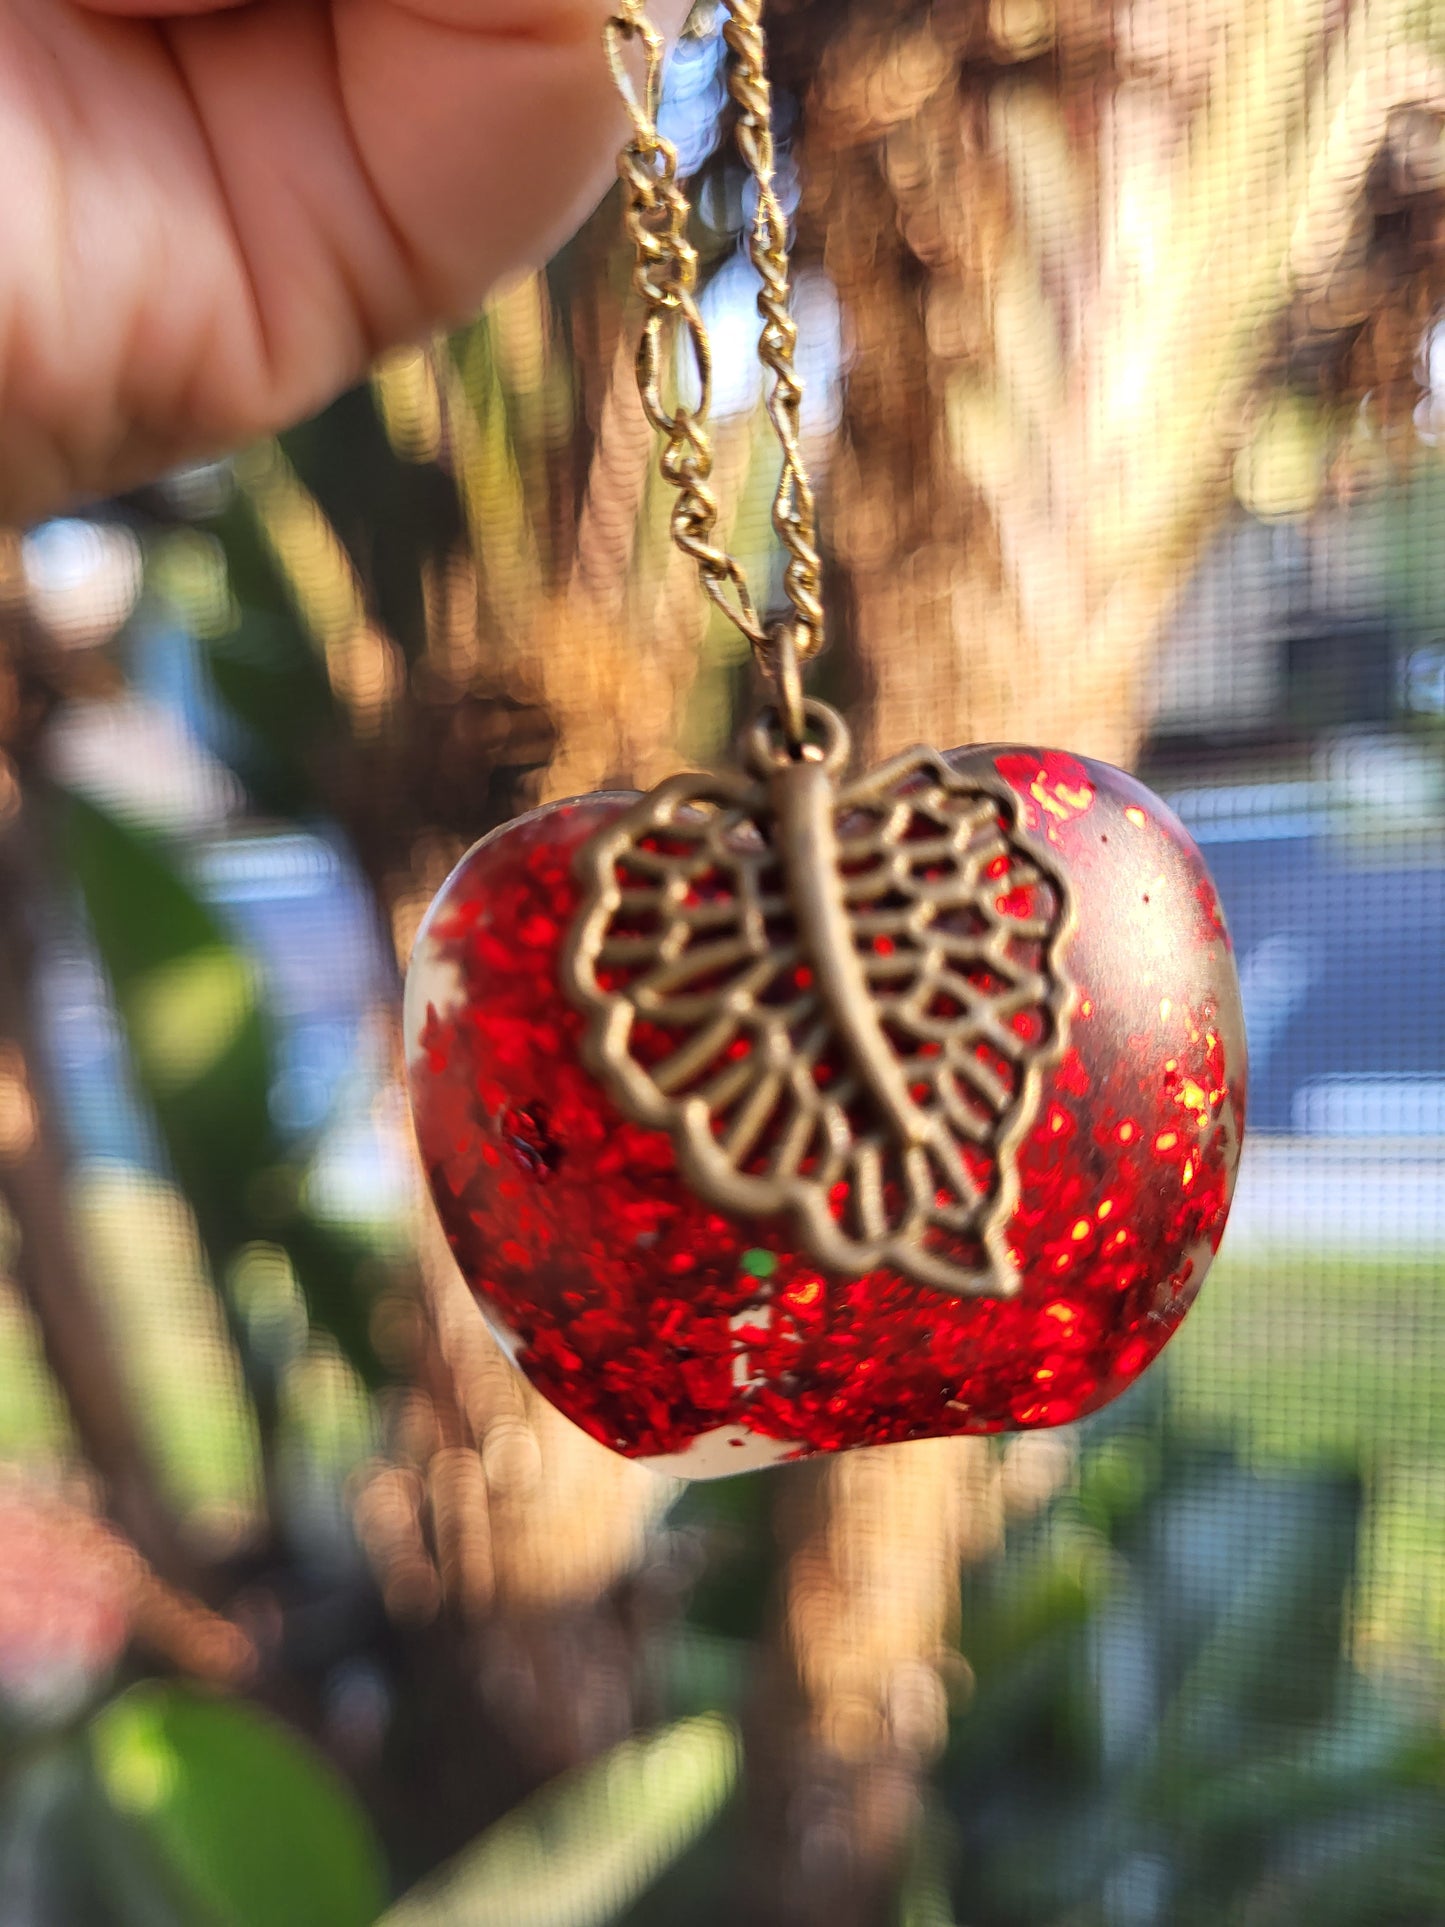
(215, 213)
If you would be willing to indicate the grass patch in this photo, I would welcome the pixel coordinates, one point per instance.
(1318, 1356)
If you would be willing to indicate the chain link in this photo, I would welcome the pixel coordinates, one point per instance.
(665, 277)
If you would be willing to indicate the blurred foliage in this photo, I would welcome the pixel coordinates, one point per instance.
(240, 1821)
(1165, 1724)
(203, 1053)
(577, 1854)
(1162, 1720)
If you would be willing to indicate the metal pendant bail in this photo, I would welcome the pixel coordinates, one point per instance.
(787, 675)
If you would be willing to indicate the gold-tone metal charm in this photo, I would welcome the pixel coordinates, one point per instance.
(836, 996)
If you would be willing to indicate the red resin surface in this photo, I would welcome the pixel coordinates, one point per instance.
(650, 1320)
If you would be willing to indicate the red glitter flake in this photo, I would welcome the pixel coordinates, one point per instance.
(1053, 788)
(650, 1319)
(1208, 902)
(538, 933)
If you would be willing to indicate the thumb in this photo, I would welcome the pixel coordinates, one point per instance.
(159, 9)
(488, 128)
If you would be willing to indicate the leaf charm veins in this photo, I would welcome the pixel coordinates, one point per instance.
(836, 996)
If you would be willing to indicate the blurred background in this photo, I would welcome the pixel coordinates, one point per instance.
(1124, 335)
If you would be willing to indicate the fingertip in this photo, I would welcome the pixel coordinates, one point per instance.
(159, 9)
(487, 138)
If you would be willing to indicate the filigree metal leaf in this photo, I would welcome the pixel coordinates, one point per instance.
(837, 997)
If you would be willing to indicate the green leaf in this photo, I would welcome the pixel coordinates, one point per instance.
(704, 1672)
(248, 1821)
(192, 1013)
(202, 1045)
(393, 516)
(924, 1900)
(731, 1516)
(579, 1853)
(268, 676)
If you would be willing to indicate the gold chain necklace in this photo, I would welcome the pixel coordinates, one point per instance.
(665, 278)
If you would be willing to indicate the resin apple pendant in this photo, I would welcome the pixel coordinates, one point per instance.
(778, 1113)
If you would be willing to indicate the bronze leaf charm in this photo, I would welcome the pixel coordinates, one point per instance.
(835, 996)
